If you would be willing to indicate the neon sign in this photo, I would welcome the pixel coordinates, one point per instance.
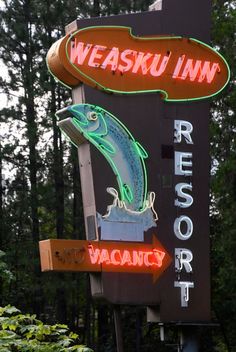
(108, 256)
(125, 155)
(136, 258)
(133, 205)
(113, 59)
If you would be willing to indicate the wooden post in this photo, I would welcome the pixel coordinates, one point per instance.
(86, 180)
(86, 177)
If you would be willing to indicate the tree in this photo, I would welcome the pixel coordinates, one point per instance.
(19, 51)
(43, 198)
(223, 151)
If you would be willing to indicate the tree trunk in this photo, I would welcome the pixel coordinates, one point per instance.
(1, 198)
(78, 222)
(96, 8)
(32, 138)
(1, 213)
(87, 314)
(57, 167)
(32, 133)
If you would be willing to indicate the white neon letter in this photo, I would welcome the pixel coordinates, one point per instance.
(182, 165)
(184, 291)
(180, 193)
(177, 228)
(183, 128)
(183, 257)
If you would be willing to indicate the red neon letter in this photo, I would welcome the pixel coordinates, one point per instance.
(158, 72)
(114, 261)
(95, 55)
(78, 51)
(159, 256)
(146, 258)
(126, 258)
(141, 62)
(207, 72)
(93, 254)
(178, 66)
(191, 70)
(111, 59)
(104, 257)
(129, 62)
(138, 258)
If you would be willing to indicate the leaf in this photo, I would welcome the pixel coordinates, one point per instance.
(9, 310)
(7, 335)
(13, 327)
(73, 336)
(80, 348)
(2, 254)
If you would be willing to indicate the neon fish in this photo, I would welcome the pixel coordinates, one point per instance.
(124, 154)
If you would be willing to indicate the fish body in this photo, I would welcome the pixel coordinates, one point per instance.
(124, 154)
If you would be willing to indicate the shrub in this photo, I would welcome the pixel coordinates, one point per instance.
(25, 333)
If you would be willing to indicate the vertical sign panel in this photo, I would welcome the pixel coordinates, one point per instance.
(175, 136)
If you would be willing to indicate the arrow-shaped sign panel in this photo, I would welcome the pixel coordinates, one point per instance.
(111, 58)
(106, 256)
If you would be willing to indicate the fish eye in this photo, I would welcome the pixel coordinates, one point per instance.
(92, 116)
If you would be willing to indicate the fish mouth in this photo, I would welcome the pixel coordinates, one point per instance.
(68, 128)
(67, 112)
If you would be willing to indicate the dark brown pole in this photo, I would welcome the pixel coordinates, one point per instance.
(188, 339)
(118, 328)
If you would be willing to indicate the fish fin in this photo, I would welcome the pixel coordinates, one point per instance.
(128, 193)
(141, 151)
(79, 116)
(103, 125)
(102, 143)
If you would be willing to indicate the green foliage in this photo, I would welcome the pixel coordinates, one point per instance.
(5, 274)
(25, 333)
(223, 184)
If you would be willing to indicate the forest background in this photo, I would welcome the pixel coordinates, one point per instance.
(40, 193)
